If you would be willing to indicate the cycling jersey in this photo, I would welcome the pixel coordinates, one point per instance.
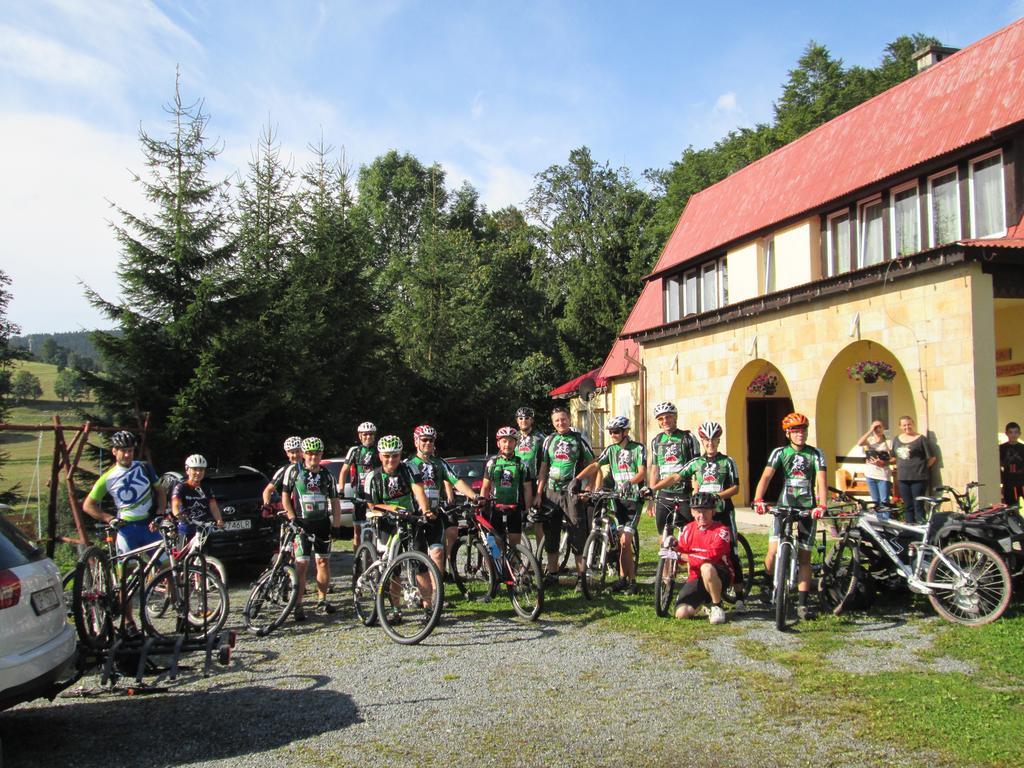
(194, 501)
(706, 545)
(312, 489)
(507, 475)
(799, 468)
(433, 473)
(394, 489)
(625, 461)
(713, 475)
(564, 456)
(131, 489)
(361, 460)
(670, 452)
(528, 449)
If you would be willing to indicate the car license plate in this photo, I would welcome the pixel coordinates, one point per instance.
(45, 600)
(237, 525)
(668, 554)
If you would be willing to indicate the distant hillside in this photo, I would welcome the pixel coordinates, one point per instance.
(74, 341)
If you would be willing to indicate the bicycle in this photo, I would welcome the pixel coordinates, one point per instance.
(487, 558)
(601, 548)
(786, 566)
(389, 580)
(276, 591)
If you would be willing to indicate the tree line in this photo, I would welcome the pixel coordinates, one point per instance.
(306, 300)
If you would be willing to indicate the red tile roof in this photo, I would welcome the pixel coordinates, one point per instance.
(647, 312)
(571, 387)
(617, 364)
(959, 101)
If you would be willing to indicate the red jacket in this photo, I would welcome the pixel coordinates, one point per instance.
(709, 545)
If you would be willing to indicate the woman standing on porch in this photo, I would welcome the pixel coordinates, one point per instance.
(914, 461)
(877, 469)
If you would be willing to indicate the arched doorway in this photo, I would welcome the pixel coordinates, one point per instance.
(758, 400)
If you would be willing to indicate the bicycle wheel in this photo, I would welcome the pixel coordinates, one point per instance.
(271, 599)
(92, 599)
(472, 569)
(526, 589)
(743, 579)
(67, 583)
(188, 600)
(409, 598)
(564, 550)
(208, 600)
(365, 578)
(595, 563)
(782, 596)
(665, 586)
(843, 582)
(980, 584)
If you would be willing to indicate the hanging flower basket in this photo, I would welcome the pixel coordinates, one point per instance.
(764, 384)
(870, 371)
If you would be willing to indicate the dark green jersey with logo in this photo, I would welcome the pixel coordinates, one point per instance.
(799, 469)
(507, 475)
(528, 449)
(394, 489)
(670, 452)
(565, 455)
(360, 461)
(433, 473)
(712, 475)
(313, 490)
(624, 461)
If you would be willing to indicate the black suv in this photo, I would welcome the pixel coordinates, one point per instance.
(246, 535)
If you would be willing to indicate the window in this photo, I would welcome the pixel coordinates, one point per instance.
(839, 244)
(988, 209)
(671, 293)
(709, 287)
(906, 226)
(769, 265)
(944, 207)
(690, 295)
(723, 282)
(877, 408)
(871, 240)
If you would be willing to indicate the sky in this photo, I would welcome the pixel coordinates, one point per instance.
(493, 91)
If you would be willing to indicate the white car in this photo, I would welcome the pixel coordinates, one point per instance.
(37, 644)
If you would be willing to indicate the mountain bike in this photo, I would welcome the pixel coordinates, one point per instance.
(786, 566)
(601, 548)
(276, 591)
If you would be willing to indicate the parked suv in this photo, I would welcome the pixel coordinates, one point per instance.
(37, 644)
(247, 535)
(470, 469)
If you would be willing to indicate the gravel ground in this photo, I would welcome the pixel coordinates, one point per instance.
(478, 692)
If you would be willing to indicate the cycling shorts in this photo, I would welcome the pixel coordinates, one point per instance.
(135, 534)
(358, 511)
(575, 521)
(305, 545)
(694, 592)
(627, 513)
(805, 529)
(665, 504)
(506, 520)
(431, 535)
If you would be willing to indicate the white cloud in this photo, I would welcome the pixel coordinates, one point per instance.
(35, 57)
(727, 103)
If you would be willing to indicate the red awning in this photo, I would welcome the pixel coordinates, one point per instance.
(570, 388)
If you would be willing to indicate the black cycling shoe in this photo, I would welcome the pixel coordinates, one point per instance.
(633, 588)
(806, 613)
(323, 606)
(299, 613)
(619, 585)
(550, 580)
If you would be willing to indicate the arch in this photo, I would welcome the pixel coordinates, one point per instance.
(752, 418)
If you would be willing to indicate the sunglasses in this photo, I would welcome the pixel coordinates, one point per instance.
(614, 431)
(425, 439)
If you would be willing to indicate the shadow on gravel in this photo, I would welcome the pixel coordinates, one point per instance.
(172, 729)
(466, 630)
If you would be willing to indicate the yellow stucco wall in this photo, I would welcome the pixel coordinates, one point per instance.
(742, 264)
(1010, 335)
(937, 328)
(796, 250)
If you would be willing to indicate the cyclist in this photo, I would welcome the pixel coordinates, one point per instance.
(396, 482)
(293, 450)
(707, 544)
(1011, 465)
(507, 481)
(316, 509)
(805, 487)
(628, 462)
(671, 450)
(192, 501)
(136, 492)
(563, 454)
(528, 445)
(713, 473)
(359, 462)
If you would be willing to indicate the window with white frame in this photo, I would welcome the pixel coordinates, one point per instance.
(691, 294)
(876, 408)
(944, 207)
(906, 220)
(671, 294)
(988, 207)
(709, 287)
(871, 240)
(839, 243)
(723, 282)
(769, 265)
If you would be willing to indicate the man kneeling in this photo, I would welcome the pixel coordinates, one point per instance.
(707, 544)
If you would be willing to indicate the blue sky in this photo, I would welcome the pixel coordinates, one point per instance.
(495, 92)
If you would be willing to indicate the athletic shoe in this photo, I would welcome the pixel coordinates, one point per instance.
(632, 588)
(323, 606)
(578, 586)
(739, 606)
(299, 613)
(620, 585)
(805, 613)
(550, 580)
(716, 615)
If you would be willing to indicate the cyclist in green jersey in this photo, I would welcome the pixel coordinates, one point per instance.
(805, 486)
(507, 481)
(439, 482)
(293, 450)
(359, 462)
(315, 506)
(671, 450)
(528, 445)
(562, 456)
(626, 460)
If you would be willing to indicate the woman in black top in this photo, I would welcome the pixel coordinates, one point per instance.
(914, 460)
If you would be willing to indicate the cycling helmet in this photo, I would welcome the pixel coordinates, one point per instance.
(524, 413)
(665, 407)
(390, 444)
(312, 445)
(293, 444)
(424, 430)
(506, 432)
(367, 426)
(709, 430)
(122, 440)
(703, 501)
(619, 422)
(794, 420)
(195, 461)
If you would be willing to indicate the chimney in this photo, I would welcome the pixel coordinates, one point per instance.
(932, 54)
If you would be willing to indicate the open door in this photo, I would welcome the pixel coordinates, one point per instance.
(764, 434)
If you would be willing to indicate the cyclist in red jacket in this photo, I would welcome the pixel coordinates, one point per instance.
(707, 544)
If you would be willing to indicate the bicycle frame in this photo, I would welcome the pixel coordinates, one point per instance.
(873, 527)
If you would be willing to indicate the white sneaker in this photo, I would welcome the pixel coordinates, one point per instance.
(717, 615)
(739, 606)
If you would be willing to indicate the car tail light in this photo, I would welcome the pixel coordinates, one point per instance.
(10, 589)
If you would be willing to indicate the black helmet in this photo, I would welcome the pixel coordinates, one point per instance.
(524, 413)
(703, 501)
(122, 440)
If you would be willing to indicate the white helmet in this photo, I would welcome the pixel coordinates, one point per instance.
(665, 407)
(293, 444)
(619, 422)
(195, 461)
(709, 430)
(367, 426)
